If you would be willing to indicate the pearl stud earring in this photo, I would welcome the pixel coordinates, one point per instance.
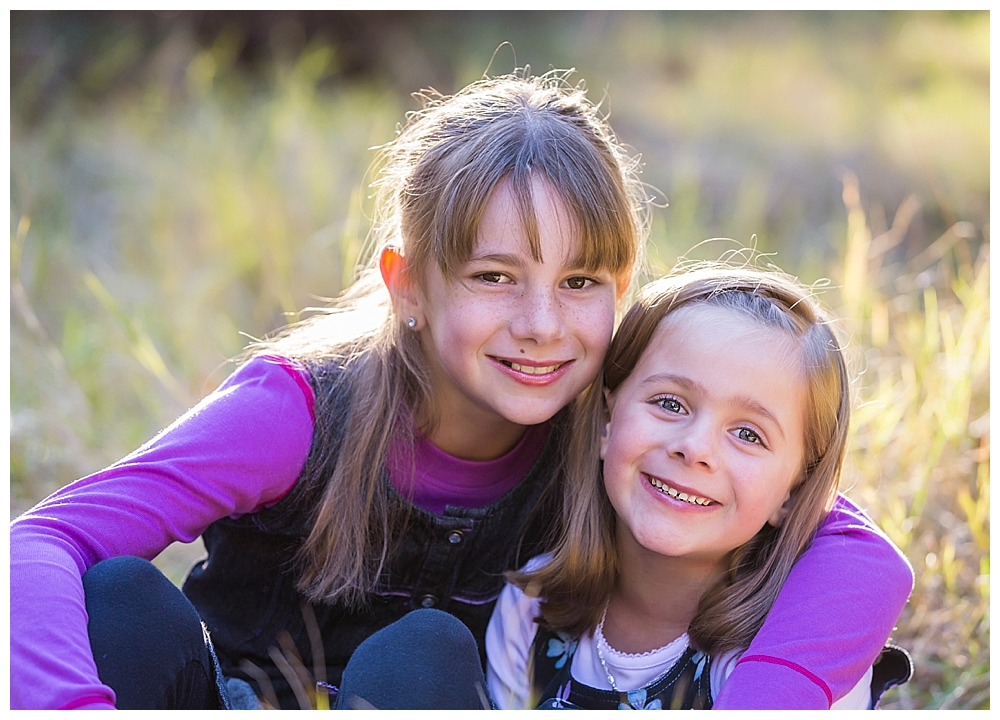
(411, 323)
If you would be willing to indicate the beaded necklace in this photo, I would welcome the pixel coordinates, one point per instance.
(604, 664)
(600, 655)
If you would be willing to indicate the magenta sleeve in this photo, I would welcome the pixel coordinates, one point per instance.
(240, 449)
(829, 622)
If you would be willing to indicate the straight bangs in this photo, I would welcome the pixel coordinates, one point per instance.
(608, 235)
(513, 137)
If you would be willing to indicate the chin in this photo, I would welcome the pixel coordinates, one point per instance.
(531, 415)
(668, 546)
(528, 419)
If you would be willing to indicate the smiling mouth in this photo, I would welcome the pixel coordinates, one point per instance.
(676, 494)
(530, 369)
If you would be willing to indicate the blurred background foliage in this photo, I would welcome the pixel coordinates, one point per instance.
(183, 180)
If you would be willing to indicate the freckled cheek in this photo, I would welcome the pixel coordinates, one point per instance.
(472, 320)
(593, 327)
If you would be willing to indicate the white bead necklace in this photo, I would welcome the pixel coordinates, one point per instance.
(604, 664)
(600, 655)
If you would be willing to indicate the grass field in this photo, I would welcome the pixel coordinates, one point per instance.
(157, 225)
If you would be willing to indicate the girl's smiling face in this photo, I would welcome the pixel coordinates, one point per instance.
(511, 340)
(706, 436)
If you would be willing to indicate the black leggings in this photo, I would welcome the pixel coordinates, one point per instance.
(153, 651)
(426, 660)
(148, 641)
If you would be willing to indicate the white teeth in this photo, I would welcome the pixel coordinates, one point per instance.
(684, 497)
(530, 370)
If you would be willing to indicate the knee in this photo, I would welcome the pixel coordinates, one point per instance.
(435, 630)
(426, 634)
(122, 576)
(427, 659)
(146, 636)
(126, 596)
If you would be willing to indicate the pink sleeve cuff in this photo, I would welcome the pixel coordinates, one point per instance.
(795, 667)
(91, 702)
(769, 683)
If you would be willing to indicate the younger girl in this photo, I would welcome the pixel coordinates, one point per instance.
(726, 407)
(387, 456)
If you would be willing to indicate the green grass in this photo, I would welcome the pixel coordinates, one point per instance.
(919, 455)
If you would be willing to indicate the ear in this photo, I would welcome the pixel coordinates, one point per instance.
(779, 515)
(621, 285)
(606, 421)
(393, 268)
(396, 276)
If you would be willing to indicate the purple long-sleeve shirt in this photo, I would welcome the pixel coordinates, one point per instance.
(242, 449)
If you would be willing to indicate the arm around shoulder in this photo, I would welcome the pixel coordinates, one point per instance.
(830, 621)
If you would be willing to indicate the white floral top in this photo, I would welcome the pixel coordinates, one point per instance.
(512, 630)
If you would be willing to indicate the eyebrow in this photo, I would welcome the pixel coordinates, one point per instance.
(517, 260)
(744, 402)
(751, 405)
(685, 382)
(511, 259)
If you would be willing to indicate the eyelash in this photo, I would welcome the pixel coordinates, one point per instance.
(663, 399)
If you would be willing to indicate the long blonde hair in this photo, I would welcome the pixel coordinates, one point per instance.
(577, 583)
(433, 185)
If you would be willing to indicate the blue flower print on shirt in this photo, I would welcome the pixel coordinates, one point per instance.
(562, 647)
(637, 701)
(701, 659)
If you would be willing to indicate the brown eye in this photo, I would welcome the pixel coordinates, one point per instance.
(578, 283)
(492, 277)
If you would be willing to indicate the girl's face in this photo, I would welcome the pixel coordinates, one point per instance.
(511, 340)
(706, 436)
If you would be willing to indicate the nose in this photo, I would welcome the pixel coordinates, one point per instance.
(539, 316)
(695, 445)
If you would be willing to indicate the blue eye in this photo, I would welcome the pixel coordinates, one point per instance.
(749, 436)
(670, 404)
